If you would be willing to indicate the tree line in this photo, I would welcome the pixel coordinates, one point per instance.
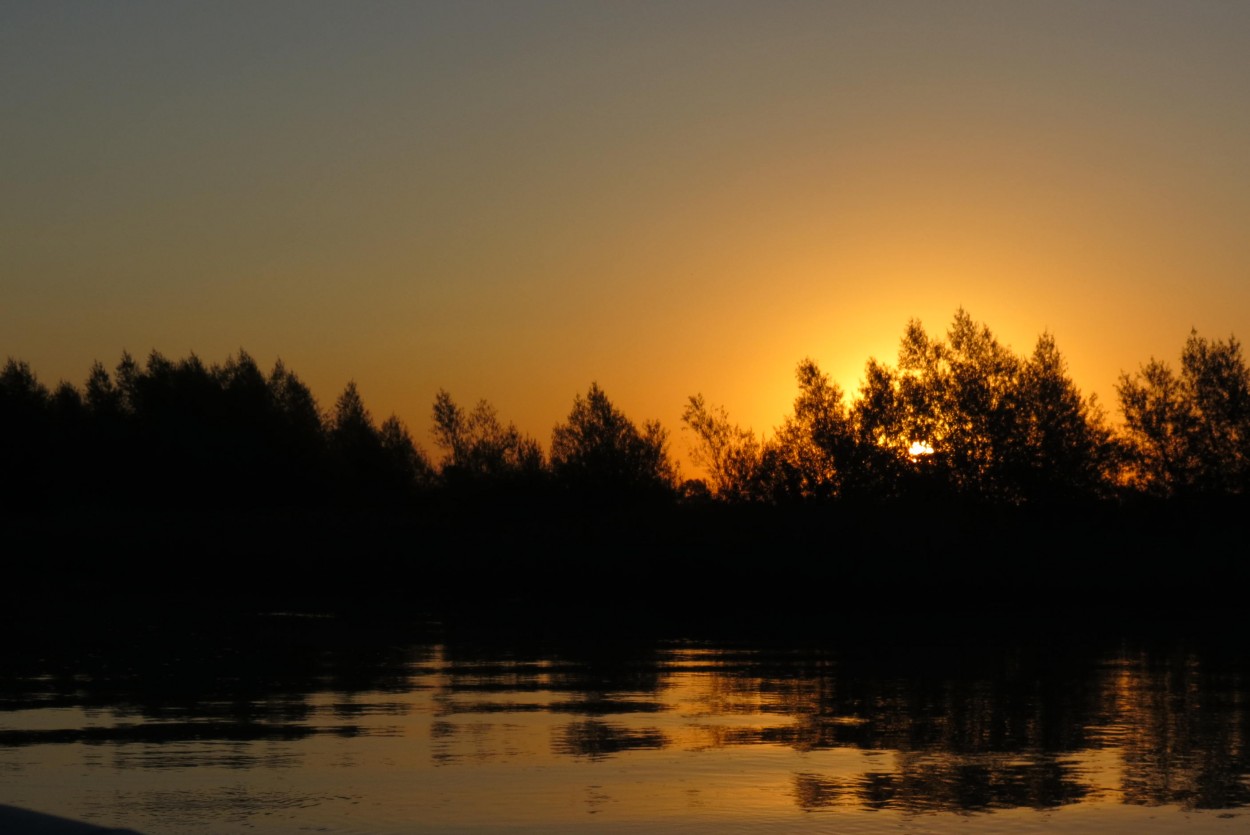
(959, 416)
(180, 433)
(964, 416)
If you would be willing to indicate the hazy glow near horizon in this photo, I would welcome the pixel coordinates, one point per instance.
(510, 200)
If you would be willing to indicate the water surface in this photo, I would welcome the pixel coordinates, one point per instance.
(288, 723)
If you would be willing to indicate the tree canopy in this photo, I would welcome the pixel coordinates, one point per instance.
(959, 416)
(599, 448)
(1187, 433)
(478, 448)
(982, 421)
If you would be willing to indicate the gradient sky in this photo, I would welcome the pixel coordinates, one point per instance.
(512, 199)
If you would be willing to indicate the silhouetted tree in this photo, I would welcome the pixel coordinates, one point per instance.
(351, 425)
(815, 445)
(968, 416)
(300, 419)
(407, 466)
(298, 440)
(601, 450)
(25, 434)
(732, 456)
(1069, 450)
(66, 442)
(107, 462)
(1188, 433)
(126, 378)
(179, 435)
(181, 455)
(812, 457)
(356, 447)
(1216, 377)
(479, 448)
(247, 395)
(21, 393)
(102, 397)
(245, 426)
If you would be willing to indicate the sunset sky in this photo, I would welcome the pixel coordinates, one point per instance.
(510, 200)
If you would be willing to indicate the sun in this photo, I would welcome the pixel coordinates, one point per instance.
(919, 448)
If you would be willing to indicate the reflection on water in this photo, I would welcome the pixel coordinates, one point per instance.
(285, 723)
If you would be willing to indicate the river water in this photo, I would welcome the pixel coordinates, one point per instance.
(290, 722)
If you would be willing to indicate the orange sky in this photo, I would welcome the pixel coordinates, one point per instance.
(510, 200)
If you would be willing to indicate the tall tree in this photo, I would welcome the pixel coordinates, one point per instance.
(1217, 379)
(25, 434)
(966, 415)
(600, 448)
(1187, 433)
(407, 465)
(732, 456)
(1068, 448)
(351, 425)
(479, 448)
(814, 445)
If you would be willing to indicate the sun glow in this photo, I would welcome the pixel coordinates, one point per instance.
(919, 448)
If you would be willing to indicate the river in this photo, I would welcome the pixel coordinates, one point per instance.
(298, 722)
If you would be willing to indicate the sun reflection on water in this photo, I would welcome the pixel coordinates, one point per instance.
(441, 737)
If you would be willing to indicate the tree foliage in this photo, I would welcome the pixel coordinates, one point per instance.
(479, 448)
(732, 456)
(1068, 447)
(373, 464)
(959, 415)
(957, 397)
(601, 449)
(969, 417)
(1187, 433)
(810, 456)
(182, 434)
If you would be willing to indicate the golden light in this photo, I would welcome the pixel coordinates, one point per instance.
(918, 448)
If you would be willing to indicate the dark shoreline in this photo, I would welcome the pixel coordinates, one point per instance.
(636, 564)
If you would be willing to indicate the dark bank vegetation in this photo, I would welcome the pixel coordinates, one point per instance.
(965, 469)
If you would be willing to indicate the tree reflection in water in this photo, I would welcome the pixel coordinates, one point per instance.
(860, 726)
(597, 739)
(1036, 727)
